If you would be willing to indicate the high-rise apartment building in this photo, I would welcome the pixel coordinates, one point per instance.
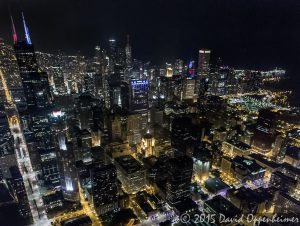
(104, 188)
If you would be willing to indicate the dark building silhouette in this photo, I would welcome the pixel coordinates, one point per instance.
(104, 188)
(20, 193)
(179, 179)
(181, 134)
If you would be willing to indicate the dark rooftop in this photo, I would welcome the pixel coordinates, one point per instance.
(291, 168)
(78, 221)
(285, 177)
(52, 197)
(239, 144)
(148, 136)
(293, 152)
(129, 163)
(249, 195)
(186, 205)
(261, 158)
(15, 172)
(248, 164)
(215, 185)
(142, 202)
(221, 205)
(5, 196)
(181, 162)
(290, 198)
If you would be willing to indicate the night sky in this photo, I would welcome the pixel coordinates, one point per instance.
(258, 34)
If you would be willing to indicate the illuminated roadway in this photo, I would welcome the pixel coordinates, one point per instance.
(23, 159)
(29, 176)
(58, 219)
(88, 210)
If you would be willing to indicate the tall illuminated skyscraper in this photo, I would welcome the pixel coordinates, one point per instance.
(221, 81)
(112, 54)
(112, 47)
(35, 84)
(139, 95)
(39, 102)
(203, 62)
(188, 88)
(203, 71)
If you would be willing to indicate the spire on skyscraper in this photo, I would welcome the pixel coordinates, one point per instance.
(26, 30)
(15, 37)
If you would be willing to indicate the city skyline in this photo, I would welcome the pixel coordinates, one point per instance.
(234, 31)
(235, 58)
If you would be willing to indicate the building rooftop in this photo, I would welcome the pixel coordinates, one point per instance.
(249, 195)
(15, 172)
(5, 196)
(181, 162)
(285, 177)
(293, 152)
(221, 205)
(215, 185)
(142, 202)
(263, 140)
(129, 163)
(186, 205)
(288, 167)
(263, 160)
(81, 220)
(148, 136)
(239, 144)
(290, 198)
(52, 197)
(248, 164)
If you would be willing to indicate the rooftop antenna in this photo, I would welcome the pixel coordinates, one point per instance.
(26, 30)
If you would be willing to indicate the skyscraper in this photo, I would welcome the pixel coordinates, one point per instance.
(139, 95)
(121, 57)
(119, 95)
(128, 52)
(181, 134)
(20, 192)
(104, 188)
(265, 131)
(203, 71)
(191, 69)
(203, 63)
(188, 88)
(35, 84)
(131, 173)
(39, 102)
(221, 81)
(148, 145)
(49, 166)
(112, 54)
(179, 179)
